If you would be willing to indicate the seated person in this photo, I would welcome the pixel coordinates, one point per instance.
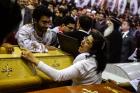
(36, 36)
(87, 67)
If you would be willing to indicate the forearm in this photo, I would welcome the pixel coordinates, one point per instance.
(33, 46)
(58, 75)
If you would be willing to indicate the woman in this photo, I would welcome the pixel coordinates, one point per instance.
(87, 67)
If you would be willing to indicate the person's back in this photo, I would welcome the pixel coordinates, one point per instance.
(84, 25)
(77, 34)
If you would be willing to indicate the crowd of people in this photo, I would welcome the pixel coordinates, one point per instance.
(39, 28)
(104, 36)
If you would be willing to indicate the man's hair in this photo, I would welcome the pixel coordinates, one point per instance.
(41, 11)
(85, 22)
(68, 19)
(10, 17)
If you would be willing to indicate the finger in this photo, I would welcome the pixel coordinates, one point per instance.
(9, 51)
(24, 49)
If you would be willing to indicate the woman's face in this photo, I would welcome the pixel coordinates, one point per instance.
(86, 44)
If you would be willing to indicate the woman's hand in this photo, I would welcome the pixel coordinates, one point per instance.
(27, 55)
(9, 48)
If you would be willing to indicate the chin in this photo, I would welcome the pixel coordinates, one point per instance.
(79, 50)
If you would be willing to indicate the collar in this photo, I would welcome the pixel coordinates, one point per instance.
(80, 57)
(125, 34)
(87, 32)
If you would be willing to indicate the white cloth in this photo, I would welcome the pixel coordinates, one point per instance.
(83, 71)
(125, 34)
(109, 29)
(135, 82)
(121, 6)
(133, 56)
(134, 7)
(81, 3)
(26, 39)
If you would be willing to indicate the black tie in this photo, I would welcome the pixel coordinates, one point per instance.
(122, 34)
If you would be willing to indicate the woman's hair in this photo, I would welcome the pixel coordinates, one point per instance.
(99, 50)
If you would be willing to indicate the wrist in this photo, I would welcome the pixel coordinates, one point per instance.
(35, 62)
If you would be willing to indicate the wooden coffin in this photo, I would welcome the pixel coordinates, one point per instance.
(16, 73)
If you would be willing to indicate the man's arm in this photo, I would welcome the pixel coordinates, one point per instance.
(26, 40)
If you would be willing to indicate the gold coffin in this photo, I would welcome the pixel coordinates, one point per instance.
(16, 73)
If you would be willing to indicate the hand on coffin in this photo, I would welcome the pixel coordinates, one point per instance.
(27, 55)
(50, 47)
(9, 48)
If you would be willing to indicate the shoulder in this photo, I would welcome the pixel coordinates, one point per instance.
(27, 28)
(82, 59)
(85, 65)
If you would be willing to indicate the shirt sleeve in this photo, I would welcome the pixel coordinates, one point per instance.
(59, 75)
(24, 40)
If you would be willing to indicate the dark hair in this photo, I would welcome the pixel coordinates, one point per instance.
(85, 22)
(41, 11)
(104, 15)
(10, 17)
(68, 19)
(99, 50)
(63, 11)
(128, 22)
(57, 21)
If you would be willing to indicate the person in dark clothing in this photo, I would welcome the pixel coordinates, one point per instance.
(84, 25)
(10, 17)
(114, 41)
(26, 19)
(100, 24)
(128, 43)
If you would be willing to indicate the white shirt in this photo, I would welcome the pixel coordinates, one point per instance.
(125, 34)
(26, 38)
(87, 32)
(83, 71)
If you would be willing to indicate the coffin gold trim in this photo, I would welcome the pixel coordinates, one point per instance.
(16, 72)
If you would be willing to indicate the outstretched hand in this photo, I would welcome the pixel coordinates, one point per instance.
(27, 55)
